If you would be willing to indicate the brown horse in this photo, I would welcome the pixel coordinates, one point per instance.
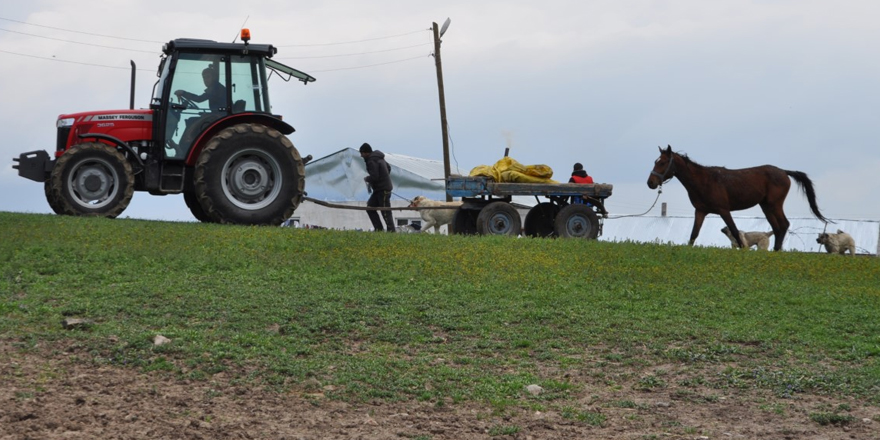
(717, 190)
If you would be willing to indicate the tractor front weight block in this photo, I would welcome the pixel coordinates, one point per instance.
(34, 165)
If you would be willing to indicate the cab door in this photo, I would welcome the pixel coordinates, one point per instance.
(193, 112)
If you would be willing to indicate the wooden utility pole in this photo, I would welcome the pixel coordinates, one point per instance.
(443, 126)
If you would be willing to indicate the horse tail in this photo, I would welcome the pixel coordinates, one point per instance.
(807, 186)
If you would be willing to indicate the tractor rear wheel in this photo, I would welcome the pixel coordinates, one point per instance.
(91, 179)
(577, 221)
(539, 220)
(249, 174)
(192, 202)
(499, 218)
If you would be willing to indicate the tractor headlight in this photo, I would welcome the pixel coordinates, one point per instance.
(65, 122)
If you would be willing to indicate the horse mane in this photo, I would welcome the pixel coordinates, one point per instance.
(687, 159)
(690, 161)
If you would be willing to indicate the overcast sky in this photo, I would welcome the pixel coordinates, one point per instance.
(731, 83)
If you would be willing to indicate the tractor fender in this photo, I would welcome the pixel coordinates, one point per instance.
(241, 118)
(115, 141)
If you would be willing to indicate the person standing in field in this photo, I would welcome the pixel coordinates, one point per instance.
(379, 180)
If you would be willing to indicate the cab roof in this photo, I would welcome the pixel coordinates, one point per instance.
(210, 46)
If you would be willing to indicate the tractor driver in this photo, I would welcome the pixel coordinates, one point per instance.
(215, 93)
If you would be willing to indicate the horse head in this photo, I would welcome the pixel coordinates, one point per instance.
(664, 168)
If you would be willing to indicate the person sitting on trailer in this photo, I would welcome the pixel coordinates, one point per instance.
(579, 175)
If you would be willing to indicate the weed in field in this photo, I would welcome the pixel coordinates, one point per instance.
(775, 408)
(624, 404)
(649, 382)
(497, 430)
(589, 417)
(24, 395)
(824, 418)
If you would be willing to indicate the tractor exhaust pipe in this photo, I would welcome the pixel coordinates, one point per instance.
(133, 70)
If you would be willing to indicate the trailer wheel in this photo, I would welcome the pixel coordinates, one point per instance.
(577, 221)
(499, 218)
(249, 174)
(464, 222)
(91, 179)
(539, 220)
(192, 202)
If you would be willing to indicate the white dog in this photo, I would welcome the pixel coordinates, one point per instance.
(409, 229)
(838, 243)
(434, 217)
(761, 240)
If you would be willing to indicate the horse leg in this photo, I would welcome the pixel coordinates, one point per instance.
(783, 229)
(778, 222)
(728, 220)
(699, 216)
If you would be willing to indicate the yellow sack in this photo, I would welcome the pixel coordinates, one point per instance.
(539, 171)
(485, 171)
(508, 169)
(517, 177)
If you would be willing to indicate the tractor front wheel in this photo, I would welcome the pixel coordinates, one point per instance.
(91, 179)
(249, 174)
(50, 197)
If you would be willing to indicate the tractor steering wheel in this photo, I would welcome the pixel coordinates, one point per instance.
(188, 103)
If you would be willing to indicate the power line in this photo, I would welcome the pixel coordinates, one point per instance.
(76, 42)
(354, 54)
(162, 42)
(368, 65)
(153, 52)
(354, 41)
(79, 32)
(72, 62)
(149, 70)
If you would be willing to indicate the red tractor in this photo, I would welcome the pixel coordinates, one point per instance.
(221, 146)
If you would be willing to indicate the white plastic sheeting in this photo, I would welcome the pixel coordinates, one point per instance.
(801, 235)
(339, 177)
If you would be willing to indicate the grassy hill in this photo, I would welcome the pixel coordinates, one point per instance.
(439, 318)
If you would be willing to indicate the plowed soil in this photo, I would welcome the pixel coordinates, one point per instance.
(54, 394)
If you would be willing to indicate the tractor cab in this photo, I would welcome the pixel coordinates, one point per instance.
(202, 82)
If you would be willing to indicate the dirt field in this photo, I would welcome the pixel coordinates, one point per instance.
(49, 395)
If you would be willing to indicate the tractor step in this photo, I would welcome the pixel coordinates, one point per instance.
(173, 177)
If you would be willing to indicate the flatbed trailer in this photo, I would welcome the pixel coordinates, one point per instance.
(570, 210)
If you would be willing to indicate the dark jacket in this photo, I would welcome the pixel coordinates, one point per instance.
(215, 94)
(580, 176)
(379, 171)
